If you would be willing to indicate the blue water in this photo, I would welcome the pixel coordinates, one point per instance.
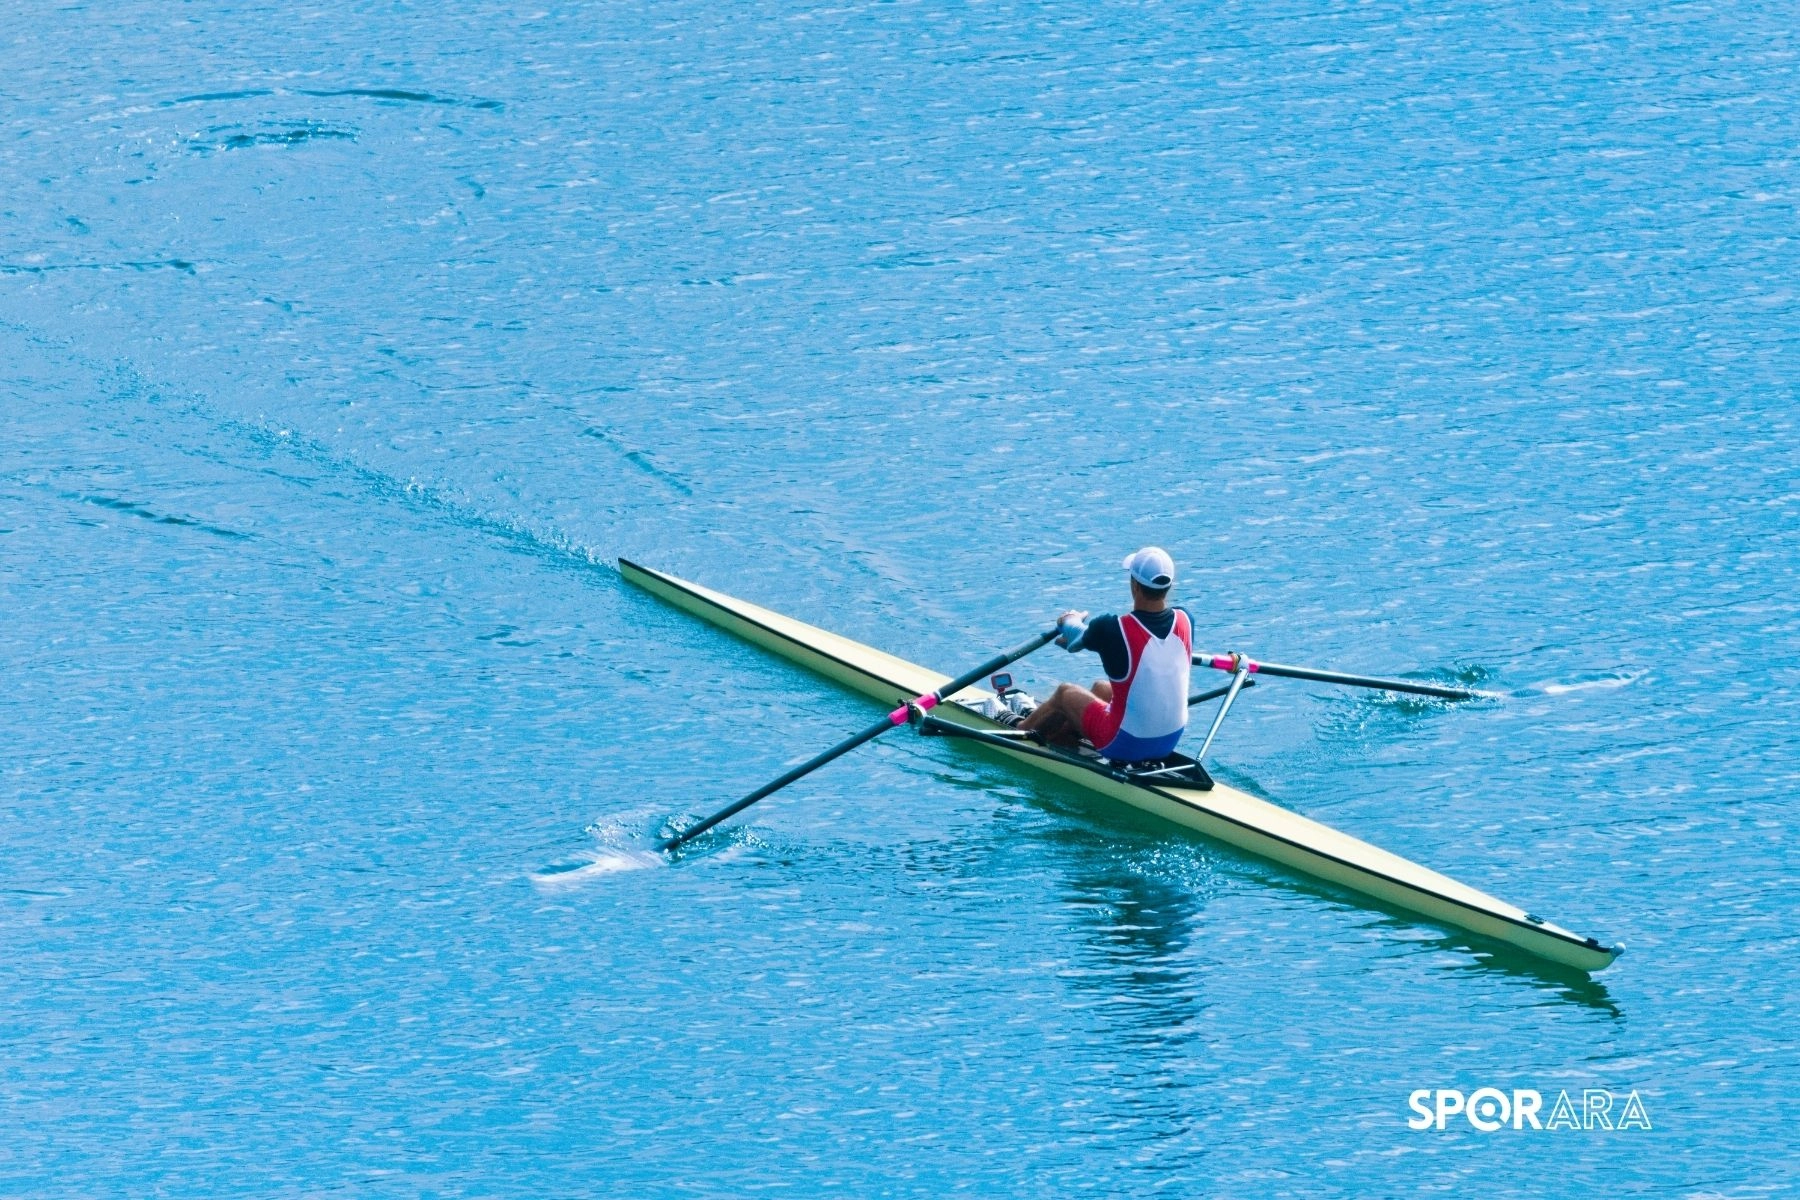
(342, 350)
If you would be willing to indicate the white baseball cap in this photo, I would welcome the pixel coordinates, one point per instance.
(1151, 567)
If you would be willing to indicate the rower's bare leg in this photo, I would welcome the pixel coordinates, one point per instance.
(1063, 728)
(1061, 713)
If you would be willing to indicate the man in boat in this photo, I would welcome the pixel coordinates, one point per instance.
(1139, 711)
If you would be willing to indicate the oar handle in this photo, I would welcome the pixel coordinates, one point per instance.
(925, 703)
(1225, 662)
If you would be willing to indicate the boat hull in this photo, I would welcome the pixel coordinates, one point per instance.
(1226, 814)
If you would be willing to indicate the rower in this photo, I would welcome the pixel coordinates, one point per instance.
(1139, 711)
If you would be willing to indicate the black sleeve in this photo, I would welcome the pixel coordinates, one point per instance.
(1105, 638)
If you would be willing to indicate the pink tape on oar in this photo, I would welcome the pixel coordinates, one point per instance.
(1221, 662)
(923, 703)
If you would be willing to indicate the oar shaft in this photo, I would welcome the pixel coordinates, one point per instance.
(982, 672)
(896, 718)
(1223, 662)
(775, 785)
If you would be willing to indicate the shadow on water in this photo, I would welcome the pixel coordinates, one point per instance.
(1138, 909)
(1142, 922)
(287, 133)
(395, 95)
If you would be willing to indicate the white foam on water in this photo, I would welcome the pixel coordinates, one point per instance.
(606, 861)
(1589, 685)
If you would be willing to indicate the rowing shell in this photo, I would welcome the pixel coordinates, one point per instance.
(1256, 826)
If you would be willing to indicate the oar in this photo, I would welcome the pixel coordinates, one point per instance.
(1223, 662)
(894, 719)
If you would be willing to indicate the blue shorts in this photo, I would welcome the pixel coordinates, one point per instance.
(1126, 748)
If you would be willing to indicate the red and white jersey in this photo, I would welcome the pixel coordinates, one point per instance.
(1150, 703)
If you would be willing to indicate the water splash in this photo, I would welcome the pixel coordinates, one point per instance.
(606, 860)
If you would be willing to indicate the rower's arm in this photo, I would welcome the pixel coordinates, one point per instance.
(1104, 637)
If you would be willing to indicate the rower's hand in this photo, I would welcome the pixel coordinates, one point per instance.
(1071, 627)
